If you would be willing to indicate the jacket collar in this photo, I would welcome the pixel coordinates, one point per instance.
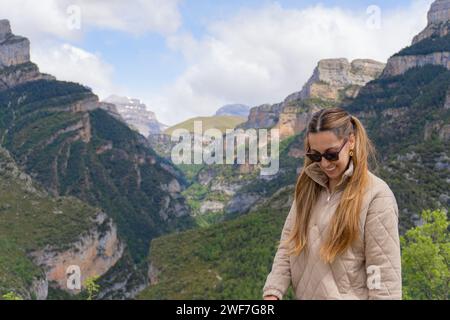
(316, 173)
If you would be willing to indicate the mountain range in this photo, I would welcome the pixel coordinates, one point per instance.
(90, 183)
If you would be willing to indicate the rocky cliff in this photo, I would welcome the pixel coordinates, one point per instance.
(332, 77)
(95, 252)
(438, 21)
(430, 47)
(333, 80)
(398, 65)
(136, 115)
(15, 65)
(41, 236)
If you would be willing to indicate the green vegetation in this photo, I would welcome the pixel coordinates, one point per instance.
(42, 133)
(29, 221)
(204, 264)
(216, 122)
(91, 287)
(229, 260)
(426, 258)
(398, 114)
(11, 296)
(427, 46)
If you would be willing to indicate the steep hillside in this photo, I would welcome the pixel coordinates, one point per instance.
(220, 270)
(64, 138)
(41, 236)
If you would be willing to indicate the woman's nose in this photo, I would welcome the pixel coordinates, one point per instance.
(325, 163)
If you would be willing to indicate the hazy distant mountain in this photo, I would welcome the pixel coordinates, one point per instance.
(239, 110)
(136, 115)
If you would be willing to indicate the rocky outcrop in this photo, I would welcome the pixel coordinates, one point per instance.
(211, 206)
(438, 21)
(15, 65)
(136, 115)
(332, 81)
(94, 253)
(437, 28)
(398, 65)
(293, 120)
(332, 76)
(14, 50)
(264, 116)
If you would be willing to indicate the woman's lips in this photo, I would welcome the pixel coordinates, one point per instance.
(331, 169)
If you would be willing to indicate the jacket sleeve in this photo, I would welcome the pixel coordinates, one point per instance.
(382, 248)
(279, 278)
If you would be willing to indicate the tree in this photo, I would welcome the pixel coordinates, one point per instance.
(92, 287)
(426, 258)
(11, 296)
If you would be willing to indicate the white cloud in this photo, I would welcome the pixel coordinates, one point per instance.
(45, 23)
(137, 16)
(51, 17)
(67, 62)
(263, 55)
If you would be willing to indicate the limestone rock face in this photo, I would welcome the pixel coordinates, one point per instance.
(398, 65)
(14, 50)
(333, 75)
(264, 116)
(5, 30)
(95, 253)
(332, 80)
(15, 65)
(136, 115)
(439, 11)
(438, 21)
(438, 27)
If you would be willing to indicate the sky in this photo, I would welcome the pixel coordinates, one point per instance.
(187, 58)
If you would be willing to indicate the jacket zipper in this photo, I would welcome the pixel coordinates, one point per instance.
(330, 194)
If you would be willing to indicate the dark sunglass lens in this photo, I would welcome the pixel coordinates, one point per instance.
(331, 156)
(315, 157)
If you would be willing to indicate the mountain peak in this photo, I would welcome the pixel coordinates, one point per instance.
(438, 21)
(5, 30)
(439, 11)
(136, 114)
(14, 50)
(332, 75)
(15, 65)
(239, 110)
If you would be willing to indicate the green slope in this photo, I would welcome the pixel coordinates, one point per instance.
(226, 261)
(216, 122)
(113, 168)
(30, 219)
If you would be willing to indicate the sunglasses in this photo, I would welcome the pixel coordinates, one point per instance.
(329, 155)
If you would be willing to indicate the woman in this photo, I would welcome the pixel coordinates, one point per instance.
(340, 239)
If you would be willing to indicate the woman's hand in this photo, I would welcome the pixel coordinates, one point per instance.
(270, 298)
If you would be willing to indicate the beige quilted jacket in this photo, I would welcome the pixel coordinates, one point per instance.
(369, 269)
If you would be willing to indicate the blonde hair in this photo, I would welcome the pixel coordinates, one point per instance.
(344, 225)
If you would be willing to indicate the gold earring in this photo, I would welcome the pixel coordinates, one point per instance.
(351, 153)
